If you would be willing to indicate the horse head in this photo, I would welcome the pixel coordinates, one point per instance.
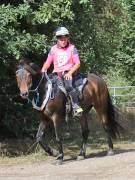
(25, 72)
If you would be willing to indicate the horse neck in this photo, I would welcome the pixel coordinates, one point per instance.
(43, 86)
(38, 82)
(35, 80)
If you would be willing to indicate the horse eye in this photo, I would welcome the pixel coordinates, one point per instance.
(28, 74)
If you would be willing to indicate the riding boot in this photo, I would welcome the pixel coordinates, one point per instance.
(74, 100)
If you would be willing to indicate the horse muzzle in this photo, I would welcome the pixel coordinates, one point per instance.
(24, 95)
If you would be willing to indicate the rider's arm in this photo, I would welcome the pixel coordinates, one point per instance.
(76, 66)
(76, 61)
(48, 62)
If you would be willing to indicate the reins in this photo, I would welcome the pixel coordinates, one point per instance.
(48, 94)
(44, 75)
(36, 90)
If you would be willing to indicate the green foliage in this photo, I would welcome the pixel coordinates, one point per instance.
(24, 43)
(96, 32)
(126, 50)
(19, 22)
(53, 11)
(15, 40)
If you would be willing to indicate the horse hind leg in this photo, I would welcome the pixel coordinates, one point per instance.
(85, 133)
(106, 126)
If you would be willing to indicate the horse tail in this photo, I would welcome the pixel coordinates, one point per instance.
(115, 125)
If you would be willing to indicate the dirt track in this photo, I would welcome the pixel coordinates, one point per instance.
(121, 166)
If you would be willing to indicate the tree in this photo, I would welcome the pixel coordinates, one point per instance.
(20, 25)
(96, 30)
(126, 50)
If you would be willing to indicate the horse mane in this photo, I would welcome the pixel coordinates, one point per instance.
(30, 66)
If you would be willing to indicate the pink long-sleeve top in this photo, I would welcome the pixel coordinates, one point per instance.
(63, 59)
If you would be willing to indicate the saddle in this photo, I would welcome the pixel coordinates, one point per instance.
(56, 83)
(78, 83)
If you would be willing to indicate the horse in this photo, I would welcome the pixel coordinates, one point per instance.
(95, 94)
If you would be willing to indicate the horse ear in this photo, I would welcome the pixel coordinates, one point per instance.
(24, 61)
(34, 67)
(21, 63)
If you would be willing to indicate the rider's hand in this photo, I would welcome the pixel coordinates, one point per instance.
(43, 70)
(68, 76)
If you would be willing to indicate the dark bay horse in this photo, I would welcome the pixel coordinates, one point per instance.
(95, 94)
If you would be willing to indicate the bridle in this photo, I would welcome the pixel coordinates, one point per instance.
(36, 90)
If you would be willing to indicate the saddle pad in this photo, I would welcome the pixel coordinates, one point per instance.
(79, 81)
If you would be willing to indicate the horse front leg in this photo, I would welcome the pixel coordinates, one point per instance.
(39, 139)
(57, 120)
(85, 133)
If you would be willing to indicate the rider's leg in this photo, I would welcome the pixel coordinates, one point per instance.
(74, 96)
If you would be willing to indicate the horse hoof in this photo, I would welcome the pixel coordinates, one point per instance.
(79, 158)
(110, 153)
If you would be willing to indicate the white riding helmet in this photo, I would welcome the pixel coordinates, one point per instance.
(61, 31)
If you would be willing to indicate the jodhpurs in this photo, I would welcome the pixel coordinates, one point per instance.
(72, 92)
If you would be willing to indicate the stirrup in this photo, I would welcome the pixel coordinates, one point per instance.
(77, 111)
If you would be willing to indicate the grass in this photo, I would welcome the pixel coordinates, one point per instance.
(70, 150)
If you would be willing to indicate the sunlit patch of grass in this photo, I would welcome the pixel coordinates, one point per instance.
(37, 155)
(71, 151)
(34, 157)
